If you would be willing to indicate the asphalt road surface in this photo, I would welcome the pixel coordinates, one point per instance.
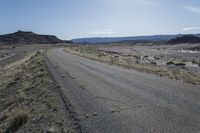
(110, 99)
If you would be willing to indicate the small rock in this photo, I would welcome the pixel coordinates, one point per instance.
(58, 86)
(112, 111)
(95, 114)
(87, 116)
(63, 76)
(52, 130)
(82, 87)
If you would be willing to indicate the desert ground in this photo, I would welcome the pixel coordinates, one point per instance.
(179, 62)
(100, 88)
(30, 99)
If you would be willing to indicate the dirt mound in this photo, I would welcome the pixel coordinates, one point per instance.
(185, 39)
(22, 37)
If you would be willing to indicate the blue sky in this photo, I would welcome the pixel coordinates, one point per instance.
(69, 19)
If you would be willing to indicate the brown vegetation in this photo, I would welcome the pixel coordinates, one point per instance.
(133, 62)
(29, 99)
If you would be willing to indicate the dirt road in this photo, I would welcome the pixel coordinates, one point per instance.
(109, 99)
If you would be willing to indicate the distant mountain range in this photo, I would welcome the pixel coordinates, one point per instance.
(185, 39)
(154, 38)
(22, 37)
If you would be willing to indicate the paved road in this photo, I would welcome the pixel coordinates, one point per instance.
(109, 99)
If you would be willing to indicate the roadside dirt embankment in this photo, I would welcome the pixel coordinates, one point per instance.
(29, 99)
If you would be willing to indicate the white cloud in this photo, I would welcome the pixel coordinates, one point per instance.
(190, 28)
(193, 9)
(103, 32)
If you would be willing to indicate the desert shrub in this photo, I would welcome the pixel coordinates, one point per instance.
(20, 96)
(137, 61)
(137, 57)
(100, 54)
(128, 61)
(113, 60)
(179, 64)
(153, 63)
(194, 61)
(16, 120)
(2, 56)
(156, 58)
(170, 63)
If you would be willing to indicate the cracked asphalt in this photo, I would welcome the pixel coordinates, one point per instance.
(110, 99)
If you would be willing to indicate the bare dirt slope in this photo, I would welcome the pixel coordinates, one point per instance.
(111, 99)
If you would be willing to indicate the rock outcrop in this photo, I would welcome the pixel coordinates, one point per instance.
(22, 37)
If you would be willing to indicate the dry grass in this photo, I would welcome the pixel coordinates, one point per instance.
(196, 61)
(17, 119)
(28, 98)
(20, 96)
(133, 63)
(176, 63)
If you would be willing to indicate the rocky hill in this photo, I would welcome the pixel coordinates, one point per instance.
(185, 39)
(22, 37)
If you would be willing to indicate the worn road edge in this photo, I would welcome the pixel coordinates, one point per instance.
(66, 102)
